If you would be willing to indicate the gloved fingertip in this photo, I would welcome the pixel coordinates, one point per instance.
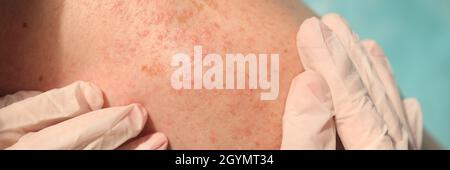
(162, 141)
(340, 26)
(334, 18)
(156, 141)
(140, 107)
(138, 114)
(93, 94)
(373, 48)
(310, 34)
(312, 39)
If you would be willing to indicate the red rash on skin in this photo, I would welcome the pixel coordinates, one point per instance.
(204, 36)
(125, 47)
(143, 34)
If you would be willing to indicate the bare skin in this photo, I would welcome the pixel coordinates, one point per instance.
(125, 47)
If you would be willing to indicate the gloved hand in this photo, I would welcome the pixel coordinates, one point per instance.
(347, 88)
(72, 118)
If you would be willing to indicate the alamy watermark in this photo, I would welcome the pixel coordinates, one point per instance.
(213, 78)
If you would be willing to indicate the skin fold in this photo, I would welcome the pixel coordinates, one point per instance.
(125, 47)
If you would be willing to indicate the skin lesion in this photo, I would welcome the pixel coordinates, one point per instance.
(154, 69)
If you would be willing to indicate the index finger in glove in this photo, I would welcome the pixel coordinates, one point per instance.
(101, 129)
(51, 107)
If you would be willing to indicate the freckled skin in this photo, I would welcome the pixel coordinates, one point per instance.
(125, 47)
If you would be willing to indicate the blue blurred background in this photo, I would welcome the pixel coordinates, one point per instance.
(415, 35)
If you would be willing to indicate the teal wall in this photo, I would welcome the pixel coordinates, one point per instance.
(415, 35)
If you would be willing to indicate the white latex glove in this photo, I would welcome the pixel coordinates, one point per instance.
(349, 88)
(72, 118)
